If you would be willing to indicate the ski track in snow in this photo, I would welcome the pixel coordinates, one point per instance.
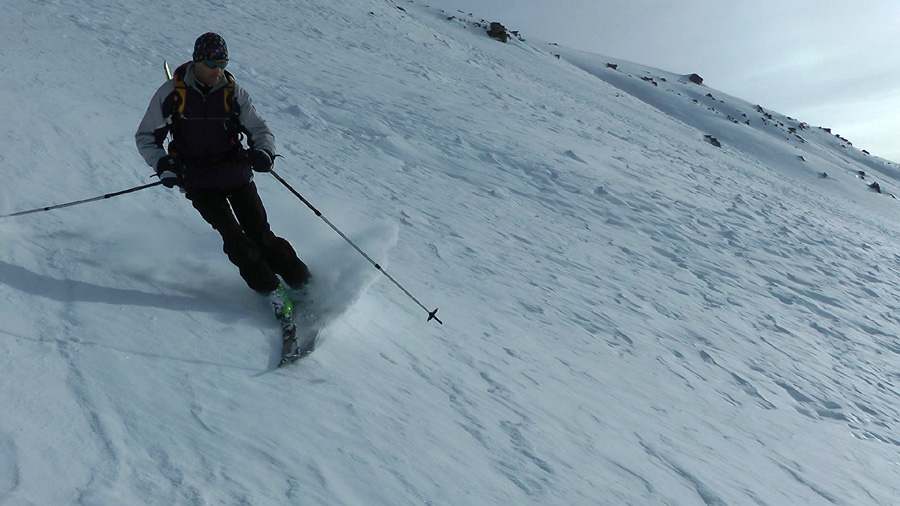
(632, 315)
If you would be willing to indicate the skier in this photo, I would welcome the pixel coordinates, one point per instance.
(208, 114)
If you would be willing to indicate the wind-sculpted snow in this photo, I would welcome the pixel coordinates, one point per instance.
(632, 315)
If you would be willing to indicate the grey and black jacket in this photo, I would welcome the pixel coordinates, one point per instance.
(206, 133)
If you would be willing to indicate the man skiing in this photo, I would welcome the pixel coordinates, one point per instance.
(208, 115)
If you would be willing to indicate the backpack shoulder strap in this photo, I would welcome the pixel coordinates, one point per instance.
(231, 104)
(180, 95)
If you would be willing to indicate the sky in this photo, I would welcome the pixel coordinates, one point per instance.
(831, 64)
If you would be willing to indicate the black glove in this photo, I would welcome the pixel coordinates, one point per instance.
(169, 171)
(260, 160)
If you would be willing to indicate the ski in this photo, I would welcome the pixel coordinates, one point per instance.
(298, 337)
(297, 347)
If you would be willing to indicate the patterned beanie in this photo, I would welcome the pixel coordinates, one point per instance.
(210, 46)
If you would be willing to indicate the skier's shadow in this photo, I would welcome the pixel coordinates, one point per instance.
(67, 290)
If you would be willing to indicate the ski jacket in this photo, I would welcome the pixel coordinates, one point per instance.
(206, 127)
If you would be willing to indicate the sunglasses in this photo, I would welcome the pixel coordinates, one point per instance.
(213, 64)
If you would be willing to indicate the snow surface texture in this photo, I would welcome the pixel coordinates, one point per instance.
(633, 316)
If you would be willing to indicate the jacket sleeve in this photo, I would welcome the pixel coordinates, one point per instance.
(152, 131)
(258, 134)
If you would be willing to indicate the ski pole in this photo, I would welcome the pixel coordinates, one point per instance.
(85, 201)
(432, 315)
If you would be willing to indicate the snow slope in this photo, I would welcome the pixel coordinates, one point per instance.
(633, 316)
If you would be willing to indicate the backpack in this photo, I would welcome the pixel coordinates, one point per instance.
(179, 100)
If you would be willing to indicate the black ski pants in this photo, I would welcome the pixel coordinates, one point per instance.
(240, 218)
